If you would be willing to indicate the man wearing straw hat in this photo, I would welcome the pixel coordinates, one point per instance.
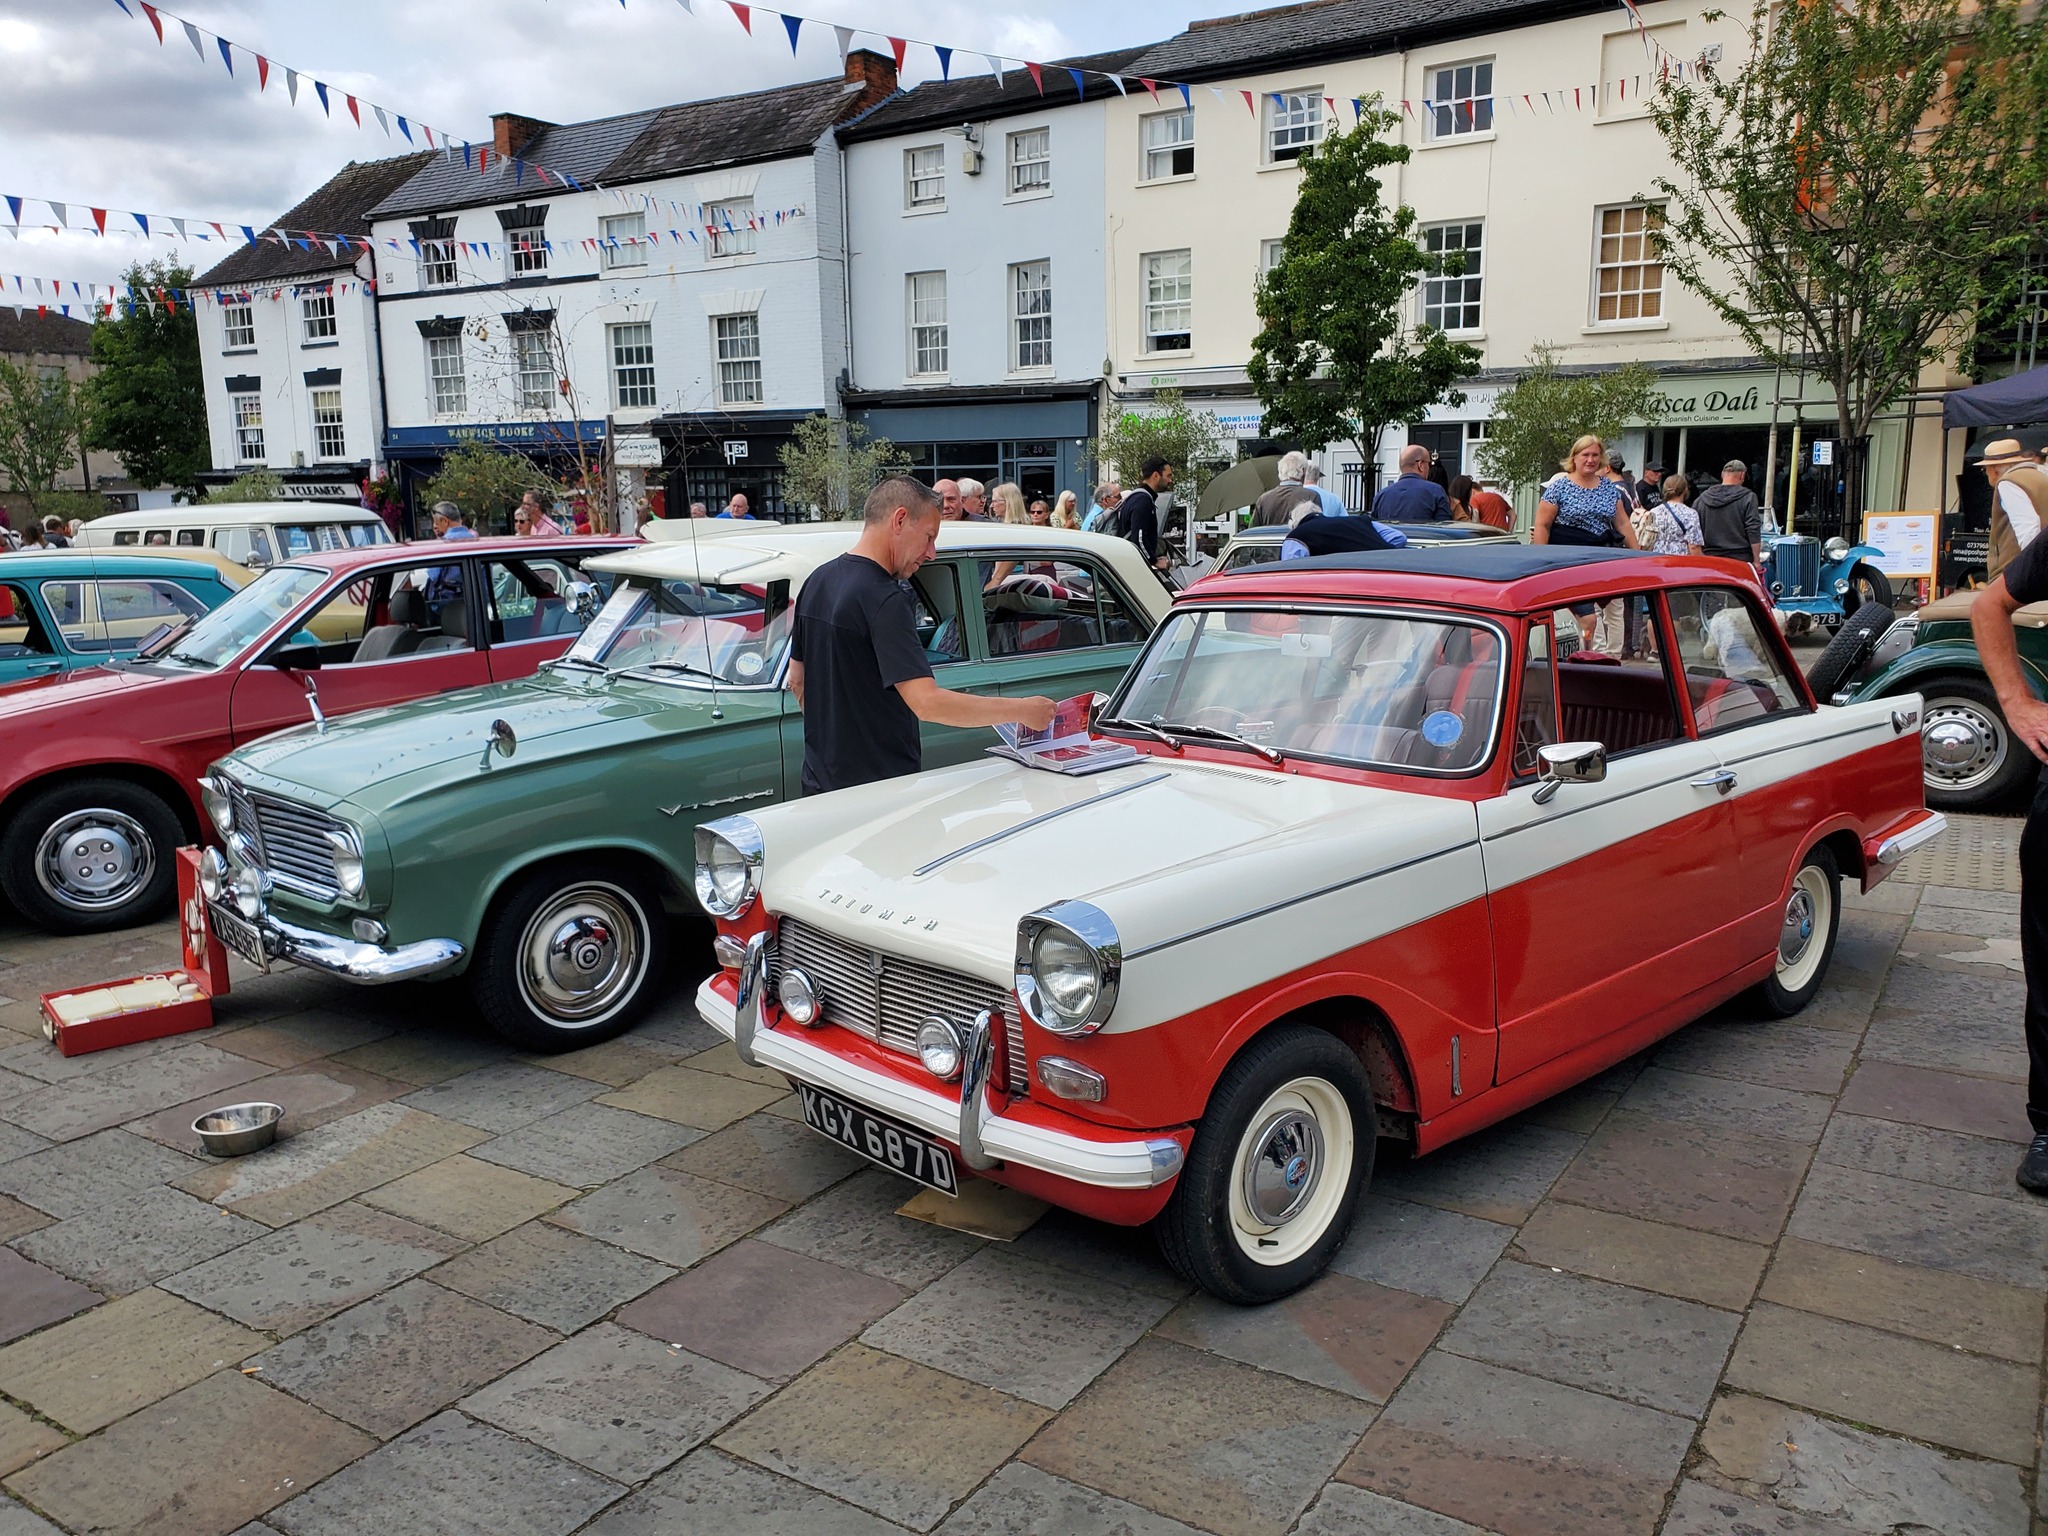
(2019, 501)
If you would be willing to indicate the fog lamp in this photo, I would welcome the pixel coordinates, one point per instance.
(213, 874)
(801, 1001)
(369, 931)
(1841, 586)
(939, 1048)
(247, 887)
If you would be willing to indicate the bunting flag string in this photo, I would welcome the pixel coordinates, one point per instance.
(98, 301)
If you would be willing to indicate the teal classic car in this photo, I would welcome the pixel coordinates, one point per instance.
(531, 835)
(62, 609)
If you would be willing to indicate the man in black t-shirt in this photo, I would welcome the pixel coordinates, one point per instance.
(2025, 580)
(856, 667)
(1137, 515)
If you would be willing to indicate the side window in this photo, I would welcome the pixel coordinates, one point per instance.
(1536, 719)
(124, 536)
(248, 545)
(390, 616)
(936, 589)
(21, 632)
(192, 538)
(1055, 605)
(116, 615)
(66, 603)
(1732, 674)
(1626, 706)
(530, 600)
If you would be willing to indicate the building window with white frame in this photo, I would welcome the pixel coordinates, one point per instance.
(1628, 265)
(1294, 124)
(1461, 99)
(316, 316)
(248, 428)
(526, 253)
(625, 240)
(1451, 284)
(1030, 160)
(924, 178)
(633, 366)
(450, 390)
(732, 227)
(1031, 317)
(534, 357)
(1168, 140)
(330, 438)
(1271, 253)
(929, 333)
(437, 264)
(240, 322)
(737, 341)
(1169, 301)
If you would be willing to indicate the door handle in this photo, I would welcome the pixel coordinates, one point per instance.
(1724, 781)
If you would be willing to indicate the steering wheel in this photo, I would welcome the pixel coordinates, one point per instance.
(1216, 717)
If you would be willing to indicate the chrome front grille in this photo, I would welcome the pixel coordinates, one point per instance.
(886, 998)
(1795, 565)
(290, 841)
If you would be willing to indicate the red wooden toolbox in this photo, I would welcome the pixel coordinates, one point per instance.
(206, 967)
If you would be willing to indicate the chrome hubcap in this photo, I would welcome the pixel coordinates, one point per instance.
(582, 955)
(94, 859)
(1798, 930)
(1962, 744)
(1286, 1162)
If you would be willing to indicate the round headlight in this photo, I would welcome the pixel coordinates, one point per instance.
(939, 1048)
(348, 863)
(220, 810)
(728, 865)
(1065, 968)
(801, 1001)
(1069, 965)
(213, 874)
(1835, 548)
(248, 892)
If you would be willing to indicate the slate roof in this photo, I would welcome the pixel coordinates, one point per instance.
(581, 150)
(975, 93)
(29, 333)
(1336, 29)
(340, 207)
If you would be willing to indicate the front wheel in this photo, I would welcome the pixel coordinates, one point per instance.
(90, 855)
(1867, 584)
(571, 956)
(1278, 1164)
(1968, 757)
(1806, 937)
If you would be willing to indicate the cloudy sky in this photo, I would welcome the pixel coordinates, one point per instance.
(96, 112)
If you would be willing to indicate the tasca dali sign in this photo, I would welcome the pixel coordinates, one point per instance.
(1706, 405)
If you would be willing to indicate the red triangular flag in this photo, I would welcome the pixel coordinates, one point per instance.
(1150, 85)
(896, 46)
(1249, 105)
(154, 19)
(262, 73)
(99, 217)
(355, 112)
(1036, 78)
(745, 14)
(483, 158)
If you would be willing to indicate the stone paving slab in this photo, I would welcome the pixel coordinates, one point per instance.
(1728, 1182)
(104, 1364)
(708, 1491)
(781, 1159)
(898, 1439)
(503, 1096)
(1973, 1106)
(617, 1401)
(206, 1459)
(1978, 1164)
(391, 1361)
(1022, 1499)
(15, 1142)
(1722, 1103)
(468, 1198)
(17, 1219)
(1347, 1511)
(1344, 1334)
(310, 1097)
(1925, 1224)
(1697, 1266)
(424, 1056)
(668, 1215)
(454, 1477)
(1937, 1305)
(93, 1101)
(137, 1240)
(707, 1101)
(1498, 1175)
(1204, 1440)
(298, 1038)
(551, 1277)
(23, 1440)
(1699, 1509)
(855, 1223)
(587, 1145)
(76, 1176)
(1777, 1055)
(1952, 1022)
(1418, 1248)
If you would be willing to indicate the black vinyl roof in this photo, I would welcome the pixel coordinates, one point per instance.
(1501, 560)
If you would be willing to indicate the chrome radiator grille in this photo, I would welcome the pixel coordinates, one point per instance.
(290, 841)
(886, 997)
(1795, 565)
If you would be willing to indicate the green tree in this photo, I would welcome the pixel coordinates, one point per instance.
(831, 464)
(256, 485)
(1189, 440)
(1335, 359)
(147, 403)
(487, 482)
(1864, 183)
(1536, 419)
(40, 418)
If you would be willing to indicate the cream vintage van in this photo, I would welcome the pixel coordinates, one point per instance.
(252, 533)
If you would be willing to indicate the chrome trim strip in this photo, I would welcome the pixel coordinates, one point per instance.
(1039, 820)
(1897, 846)
(1139, 1163)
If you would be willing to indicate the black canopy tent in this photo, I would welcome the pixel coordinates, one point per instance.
(2019, 405)
(2010, 402)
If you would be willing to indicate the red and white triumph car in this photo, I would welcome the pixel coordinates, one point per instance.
(1386, 867)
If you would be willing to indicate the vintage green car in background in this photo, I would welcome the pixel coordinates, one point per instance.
(532, 835)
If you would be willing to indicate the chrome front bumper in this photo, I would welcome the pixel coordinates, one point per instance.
(353, 960)
(1135, 1164)
(1922, 832)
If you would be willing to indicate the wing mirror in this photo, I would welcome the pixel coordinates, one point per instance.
(1569, 762)
(583, 600)
(304, 656)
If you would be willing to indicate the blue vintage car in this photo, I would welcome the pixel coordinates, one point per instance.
(1826, 582)
(67, 608)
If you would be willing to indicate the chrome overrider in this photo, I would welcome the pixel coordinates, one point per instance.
(236, 884)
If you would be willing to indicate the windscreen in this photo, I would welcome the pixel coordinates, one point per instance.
(682, 631)
(228, 630)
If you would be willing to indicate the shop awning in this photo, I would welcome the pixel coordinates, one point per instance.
(2009, 402)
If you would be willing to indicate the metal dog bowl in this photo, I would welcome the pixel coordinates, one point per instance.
(237, 1128)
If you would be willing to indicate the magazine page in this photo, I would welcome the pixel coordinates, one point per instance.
(1064, 746)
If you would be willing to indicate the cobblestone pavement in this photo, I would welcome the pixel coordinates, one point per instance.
(1764, 1278)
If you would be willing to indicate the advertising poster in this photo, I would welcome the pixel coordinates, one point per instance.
(1907, 540)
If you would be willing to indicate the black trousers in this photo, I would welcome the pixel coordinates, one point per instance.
(2034, 952)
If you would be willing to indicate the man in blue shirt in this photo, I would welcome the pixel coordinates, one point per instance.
(444, 582)
(1333, 504)
(1414, 498)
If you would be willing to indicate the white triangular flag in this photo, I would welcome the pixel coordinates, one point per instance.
(58, 209)
(382, 121)
(995, 67)
(192, 37)
(180, 224)
(291, 84)
(844, 36)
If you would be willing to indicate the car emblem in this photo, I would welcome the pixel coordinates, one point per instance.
(1296, 1174)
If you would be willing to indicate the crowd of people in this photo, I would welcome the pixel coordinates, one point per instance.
(37, 533)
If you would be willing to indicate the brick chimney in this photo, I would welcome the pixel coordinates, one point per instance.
(511, 133)
(874, 73)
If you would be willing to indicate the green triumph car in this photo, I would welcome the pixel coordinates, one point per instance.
(532, 835)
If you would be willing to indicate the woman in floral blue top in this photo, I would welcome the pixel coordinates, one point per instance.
(1581, 506)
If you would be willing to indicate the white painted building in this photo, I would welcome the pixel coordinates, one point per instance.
(699, 297)
(975, 241)
(288, 343)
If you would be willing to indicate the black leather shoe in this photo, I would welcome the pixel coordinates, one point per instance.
(2033, 1174)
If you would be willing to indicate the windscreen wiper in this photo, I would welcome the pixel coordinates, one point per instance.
(1149, 730)
(1210, 732)
(578, 661)
(683, 667)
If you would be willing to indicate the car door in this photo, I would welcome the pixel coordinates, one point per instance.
(1060, 627)
(402, 632)
(28, 640)
(1612, 899)
(531, 612)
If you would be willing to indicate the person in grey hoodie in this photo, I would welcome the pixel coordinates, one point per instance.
(1731, 523)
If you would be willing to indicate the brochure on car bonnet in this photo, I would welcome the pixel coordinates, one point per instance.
(1065, 745)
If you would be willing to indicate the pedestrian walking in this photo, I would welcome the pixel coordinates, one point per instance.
(1583, 506)
(1101, 516)
(1066, 512)
(1731, 522)
(1488, 507)
(1668, 526)
(1275, 508)
(857, 668)
(53, 533)
(1137, 517)
(1650, 489)
(698, 509)
(2019, 501)
(1617, 473)
(737, 509)
(1414, 497)
(1039, 513)
(532, 519)
(1333, 504)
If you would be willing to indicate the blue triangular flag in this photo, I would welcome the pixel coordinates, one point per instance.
(143, 220)
(407, 131)
(1080, 82)
(14, 207)
(1186, 100)
(248, 234)
(789, 22)
(321, 87)
(518, 171)
(945, 61)
(226, 56)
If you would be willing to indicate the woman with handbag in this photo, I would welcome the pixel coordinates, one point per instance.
(1581, 506)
